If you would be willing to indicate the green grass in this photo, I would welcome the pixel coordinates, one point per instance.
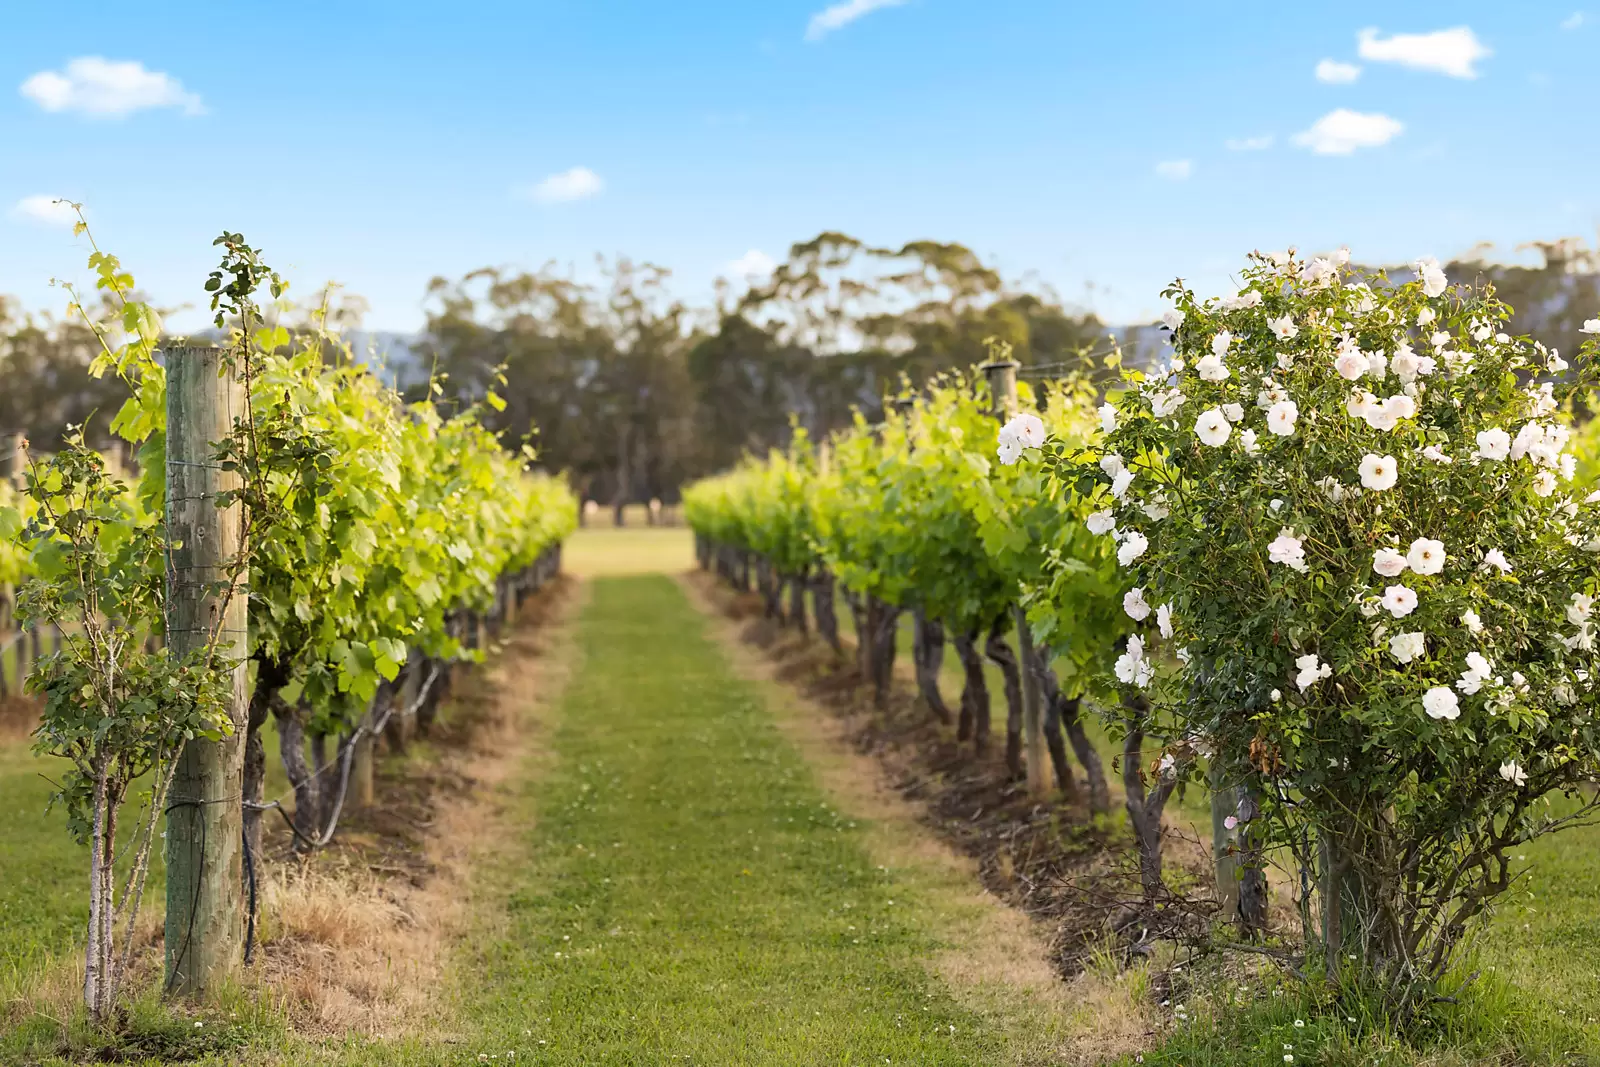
(595, 551)
(691, 896)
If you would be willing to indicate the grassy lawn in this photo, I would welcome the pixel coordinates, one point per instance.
(691, 895)
(603, 550)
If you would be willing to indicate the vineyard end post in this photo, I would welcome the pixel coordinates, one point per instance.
(204, 836)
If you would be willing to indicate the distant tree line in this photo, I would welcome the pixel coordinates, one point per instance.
(633, 392)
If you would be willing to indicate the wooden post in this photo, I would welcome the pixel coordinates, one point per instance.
(204, 818)
(1002, 376)
(1225, 859)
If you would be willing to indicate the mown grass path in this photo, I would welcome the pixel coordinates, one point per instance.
(686, 894)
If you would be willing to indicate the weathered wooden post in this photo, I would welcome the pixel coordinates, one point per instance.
(204, 818)
(1002, 376)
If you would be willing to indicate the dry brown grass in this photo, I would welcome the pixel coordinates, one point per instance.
(18, 717)
(995, 959)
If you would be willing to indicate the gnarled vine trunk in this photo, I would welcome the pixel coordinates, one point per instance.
(927, 653)
(974, 721)
(1145, 807)
(292, 749)
(797, 601)
(883, 626)
(1001, 655)
(822, 606)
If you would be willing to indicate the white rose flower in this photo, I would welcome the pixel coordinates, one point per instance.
(1281, 417)
(1220, 343)
(1108, 418)
(1497, 559)
(1165, 403)
(1212, 428)
(1478, 671)
(1590, 326)
(1568, 465)
(1399, 601)
(1311, 671)
(1388, 562)
(1351, 364)
(1111, 464)
(1513, 773)
(1425, 316)
(1432, 452)
(1133, 546)
(1288, 550)
(1564, 694)
(1212, 369)
(1101, 522)
(1426, 556)
(1271, 392)
(1361, 405)
(1470, 620)
(1377, 365)
(1433, 279)
(1247, 441)
(1579, 610)
(1172, 318)
(1119, 484)
(1378, 472)
(1440, 703)
(1544, 483)
(1233, 412)
(1009, 450)
(1399, 407)
(1493, 444)
(1285, 360)
(1135, 605)
(1027, 428)
(1164, 620)
(1131, 667)
(1408, 646)
(1405, 364)
(1283, 327)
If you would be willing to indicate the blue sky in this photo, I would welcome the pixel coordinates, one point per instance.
(381, 144)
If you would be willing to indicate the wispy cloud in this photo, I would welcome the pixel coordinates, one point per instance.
(753, 264)
(1336, 73)
(103, 88)
(1175, 170)
(1574, 20)
(1454, 51)
(579, 183)
(50, 210)
(842, 14)
(1249, 144)
(1341, 132)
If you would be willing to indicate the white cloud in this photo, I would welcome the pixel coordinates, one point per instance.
(50, 210)
(579, 183)
(842, 14)
(1249, 144)
(1340, 132)
(104, 88)
(1175, 170)
(753, 264)
(1336, 73)
(1573, 21)
(1452, 51)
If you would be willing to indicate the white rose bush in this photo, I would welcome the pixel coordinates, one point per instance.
(1374, 589)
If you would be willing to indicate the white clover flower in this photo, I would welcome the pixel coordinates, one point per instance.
(1378, 472)
(1590, 326)
(1408, 646)
(1101, 522)
(1247, 441)
(1426, 556)
(1425, 316)
(1388, 562)
(1493, 444)
(1283, 328)
(1311, 671)
(1233, 412)
(1470, 620)
(1212, 428)
(1165, 403)
(1133, 546)
(1440, 703)
(1108, 418)
(1399, 601)
(1434, 453)
(1579, 610)
(1211, 368)
(1497, 559)
(1511, 772)
(1027, 428)
(1288, 550)
(1281, 417)
(1135, 605)
(1164, 620)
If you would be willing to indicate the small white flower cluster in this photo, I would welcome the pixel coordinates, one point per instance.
(1132, 667)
